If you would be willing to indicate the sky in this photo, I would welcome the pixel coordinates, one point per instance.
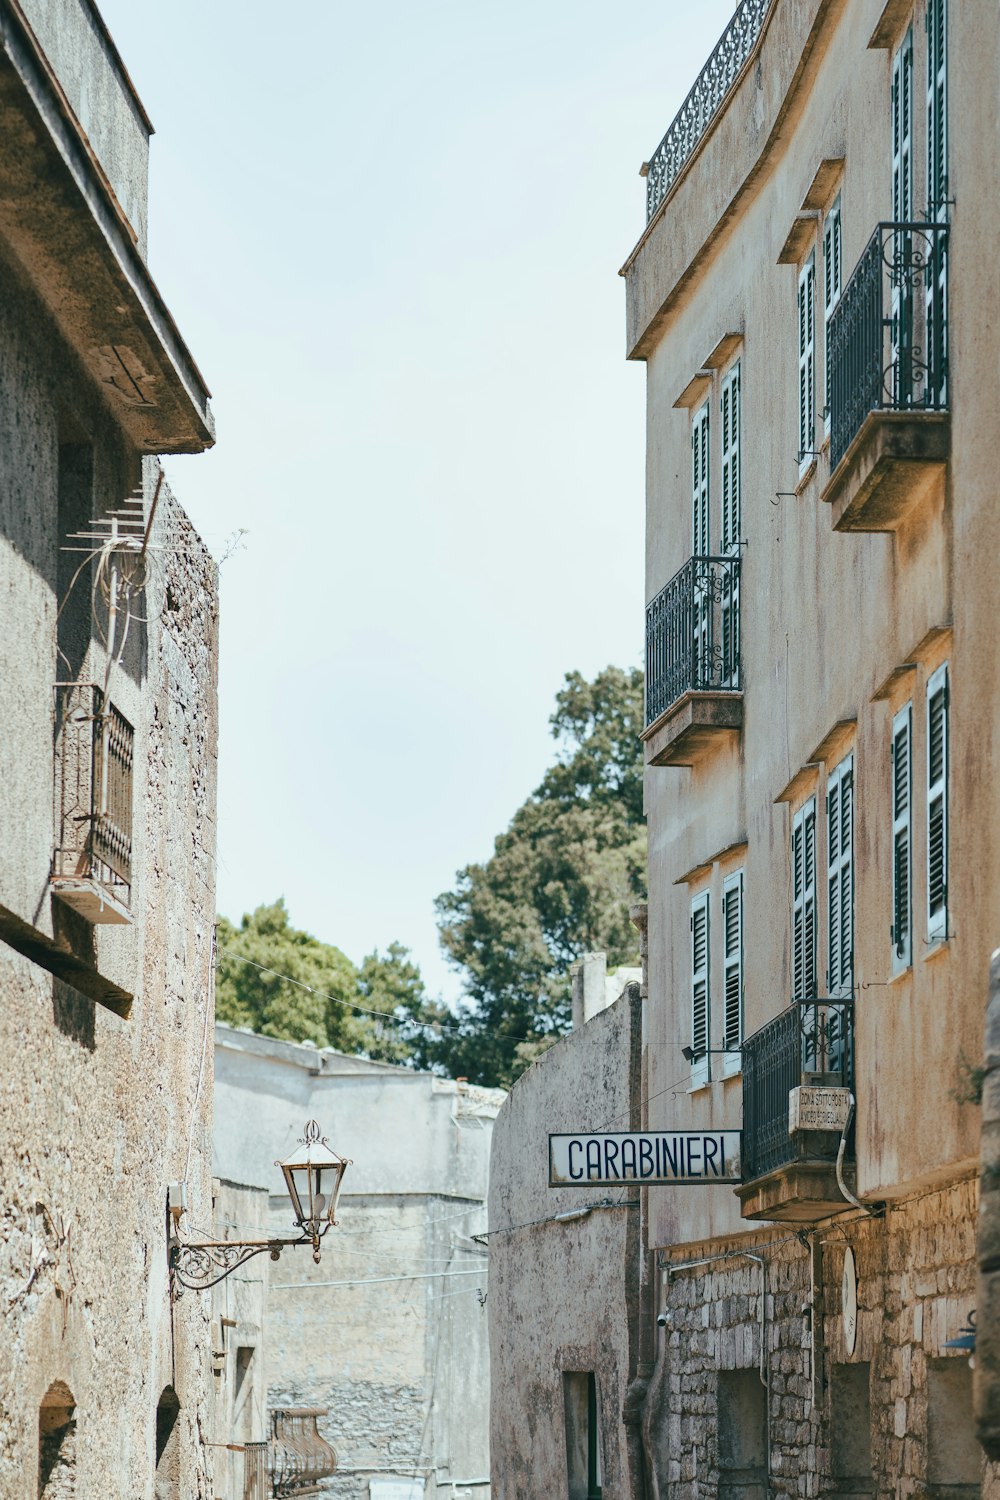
(390, 235)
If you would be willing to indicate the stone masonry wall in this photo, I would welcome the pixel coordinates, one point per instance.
(915, 1278)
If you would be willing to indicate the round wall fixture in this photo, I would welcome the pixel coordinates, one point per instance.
(849, 1301)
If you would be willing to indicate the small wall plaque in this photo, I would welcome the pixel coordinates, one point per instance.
(818, 1109)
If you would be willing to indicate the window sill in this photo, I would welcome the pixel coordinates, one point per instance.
(806, 476)
(936, 947)
(900, 975)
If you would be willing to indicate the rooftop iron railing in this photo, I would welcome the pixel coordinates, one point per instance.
(811, 1037)
(693, 633)
(704, 101)
(888, 335)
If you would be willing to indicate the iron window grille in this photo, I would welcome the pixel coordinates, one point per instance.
(300, 1456)
(93, 782)
(256, 1473)
(888, 334)
(812, 1039)
(693, 634)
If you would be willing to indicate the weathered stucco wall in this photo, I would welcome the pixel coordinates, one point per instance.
(563, 1293)
(389, 1330)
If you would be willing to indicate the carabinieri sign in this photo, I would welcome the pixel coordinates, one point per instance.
(654, 1158)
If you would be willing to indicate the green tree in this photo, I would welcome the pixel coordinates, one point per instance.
(558, 884)
(392, 983)
(245, 995)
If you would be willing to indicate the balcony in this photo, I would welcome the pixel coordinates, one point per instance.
(693, 688)
(888, 377)
(92, 864)
(789, 1155)
(300, 1456)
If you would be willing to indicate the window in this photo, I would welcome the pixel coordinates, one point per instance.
(833, 277)
(700, 991)
(804, 902)
(584, 1461)
(732, 964)
(701, 645)
(729, 409)
(902, 131)
(57, 1444)
(807, 361)
(937, 805)
(840, 879)
(937, 109)
(902, 839)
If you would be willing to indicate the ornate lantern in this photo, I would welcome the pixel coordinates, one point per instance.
(313, 1176)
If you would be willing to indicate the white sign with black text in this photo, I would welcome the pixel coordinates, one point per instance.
(649, 1158)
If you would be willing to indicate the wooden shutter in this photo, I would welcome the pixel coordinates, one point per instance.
(902, 131)
(937, 109)
(700, 989)
(699, 484)
(729, 405)
(807, 361)
(732, 922)
(840, 879)
(833, 277)
(937, 805)
(804, 902)
(902, 839)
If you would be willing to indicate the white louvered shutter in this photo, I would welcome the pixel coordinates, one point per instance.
(937, 109)
(840, 879)
(807, 362)
(902, 131)
(833, 276)
(700, 990)
(804, 902)
(701, 623)
(731, 420)
(732, 922)
(937, 805)
(902, 839)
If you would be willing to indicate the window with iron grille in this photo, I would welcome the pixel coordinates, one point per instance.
(700, 991)
(732, 962)
(804, 902)
(93, 787)
(937, 805)
(902, 839)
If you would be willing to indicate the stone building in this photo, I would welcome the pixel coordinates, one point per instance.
(565, 1266)
(107, 769)
(388, 1332)
(812, 298)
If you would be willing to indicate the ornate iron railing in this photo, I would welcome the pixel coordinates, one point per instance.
(94, 754)
(810, 1037)
(693, 633)
(704, 101)
(889, 333)
(256, 1474)
(300, 1456)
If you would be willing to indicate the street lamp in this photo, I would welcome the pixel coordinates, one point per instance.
(313, 1177)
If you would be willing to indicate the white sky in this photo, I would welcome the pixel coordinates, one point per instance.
(390, 235)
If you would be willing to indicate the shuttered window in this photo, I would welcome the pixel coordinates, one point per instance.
(731, 418)
(937, 108)
(732, 960)
(902, 839)
(807, 362)
(804, 902)
(840, 879)
(700, 990)
(699, 484)
(833, 279)
(937, 805)
(902, 131)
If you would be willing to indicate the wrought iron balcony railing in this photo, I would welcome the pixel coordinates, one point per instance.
(810, 1037)
(888, 335)
(256, 1474)
(300, 1456)
(693, 633)
(703, 103)
(94, 752)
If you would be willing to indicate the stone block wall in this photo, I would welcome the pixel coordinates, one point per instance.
(893, 1417)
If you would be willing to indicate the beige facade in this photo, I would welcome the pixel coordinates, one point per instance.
(810, 297)
(107, 768)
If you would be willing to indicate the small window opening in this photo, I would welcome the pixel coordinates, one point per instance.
(57, 1444)
(584, 1455)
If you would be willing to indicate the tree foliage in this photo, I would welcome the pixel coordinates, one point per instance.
(558, 884)
(328, 1002)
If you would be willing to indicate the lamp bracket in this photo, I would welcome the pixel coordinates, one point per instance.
(200, 1264)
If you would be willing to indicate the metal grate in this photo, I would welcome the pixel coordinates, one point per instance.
(256, 1475)
(94, 756)
(693, 633)
(300, 1455)
(703, 103)
(815, 1036)
(888, 335)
